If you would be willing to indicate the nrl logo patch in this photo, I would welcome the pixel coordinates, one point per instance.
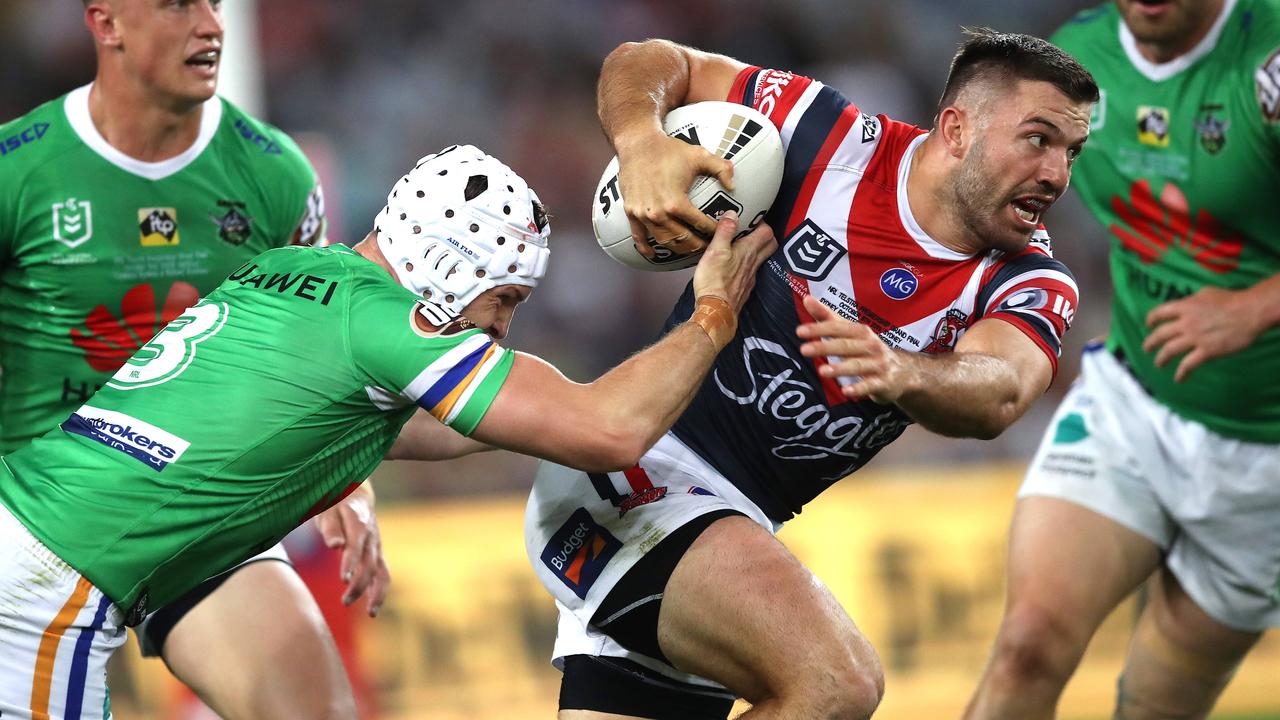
(234, 226)
(811, 252)
(72, 222)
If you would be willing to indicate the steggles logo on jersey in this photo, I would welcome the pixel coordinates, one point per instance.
(1211, 128)
(578, 551)
(811, 252)
(807, 428)
(1267, 79)
(111, 340)
(158, 227)
(72, 222)
(1153, 126)
(1154, 226)
(234, 226)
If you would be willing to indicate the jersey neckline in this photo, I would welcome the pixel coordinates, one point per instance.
(931, 247)
(77, 110)
(1158, 72)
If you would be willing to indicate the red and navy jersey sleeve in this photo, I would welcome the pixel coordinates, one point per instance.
(1033, 292)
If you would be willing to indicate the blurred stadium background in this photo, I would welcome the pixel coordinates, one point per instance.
(913, 546)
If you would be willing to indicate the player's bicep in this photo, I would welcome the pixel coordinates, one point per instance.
(711, 76)
(999, 338)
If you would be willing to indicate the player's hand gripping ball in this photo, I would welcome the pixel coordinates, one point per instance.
(730, 131)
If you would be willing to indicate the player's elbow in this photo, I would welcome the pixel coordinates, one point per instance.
(611, 447)
(992, 424)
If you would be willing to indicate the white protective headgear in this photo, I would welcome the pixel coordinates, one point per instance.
(459, 223)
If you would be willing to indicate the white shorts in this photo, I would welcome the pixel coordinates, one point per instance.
(56, 633)
(1211, 502)
(582, 537)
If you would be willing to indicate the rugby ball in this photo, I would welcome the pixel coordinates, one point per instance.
(731, 131)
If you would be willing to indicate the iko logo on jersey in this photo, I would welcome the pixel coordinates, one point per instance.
(1153, 126)
(808, 430)
(578, 551)
(899, 283)
(811, 252)
(769, 88)
(142, 441)
(72, 222)
(158, 227)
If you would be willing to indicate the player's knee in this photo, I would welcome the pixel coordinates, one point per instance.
(1037, 645)
(853, 688)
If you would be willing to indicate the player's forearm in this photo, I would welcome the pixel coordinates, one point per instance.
(964, 394)
(1264, 298)
(638, 84)
(641, 399)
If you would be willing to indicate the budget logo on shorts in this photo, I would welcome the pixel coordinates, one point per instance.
(142, 441)
(811, 252)
(898, 283)
(579, 550)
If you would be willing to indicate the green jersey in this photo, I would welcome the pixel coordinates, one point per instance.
(99, 250)
(257, 408)
(1183, 168)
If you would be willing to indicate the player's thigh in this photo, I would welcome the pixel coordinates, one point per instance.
(741, 609)
(1072, 564)
(1184, 637)
(258, 647)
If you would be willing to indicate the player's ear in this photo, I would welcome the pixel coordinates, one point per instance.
(953, 129)
(100, 18)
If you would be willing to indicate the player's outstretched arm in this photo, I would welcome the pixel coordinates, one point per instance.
(426, 438)
(993, 376)
(608, 424)
(639, 83)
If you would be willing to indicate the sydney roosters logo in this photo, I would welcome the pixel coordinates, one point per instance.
(112, 339)
(1156, 224)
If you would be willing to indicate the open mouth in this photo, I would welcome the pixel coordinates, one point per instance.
(1029, 209)
(206, 60)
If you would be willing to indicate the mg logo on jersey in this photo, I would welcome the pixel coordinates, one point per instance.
(142, 441)
(72, 222)
(898, 283)
(578, 551)
(1153, 126)
(158, 227)
(811, 252)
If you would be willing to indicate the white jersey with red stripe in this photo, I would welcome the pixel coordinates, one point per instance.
(764, 417)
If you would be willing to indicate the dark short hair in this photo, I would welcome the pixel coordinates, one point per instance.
(1008, 57)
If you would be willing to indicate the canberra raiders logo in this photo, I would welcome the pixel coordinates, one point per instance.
(234, 226)
(1211, 128)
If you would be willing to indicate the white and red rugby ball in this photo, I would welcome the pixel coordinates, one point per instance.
(731, 131)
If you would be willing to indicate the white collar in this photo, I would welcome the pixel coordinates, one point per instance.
(77, 109)
(1159, 72)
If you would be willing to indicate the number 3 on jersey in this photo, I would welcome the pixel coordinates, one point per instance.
(172, 349)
